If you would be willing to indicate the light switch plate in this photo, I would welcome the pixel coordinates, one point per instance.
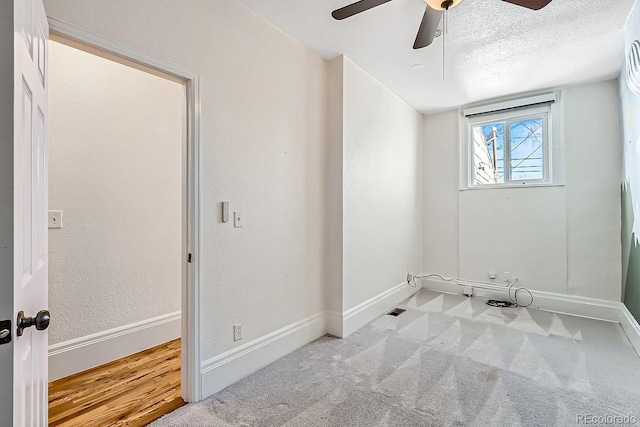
(55, 219)
(238, 219)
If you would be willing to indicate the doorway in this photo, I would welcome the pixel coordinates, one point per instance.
(110, 230)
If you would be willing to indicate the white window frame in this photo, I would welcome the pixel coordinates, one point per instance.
(546, 106)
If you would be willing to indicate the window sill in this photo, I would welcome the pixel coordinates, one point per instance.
(505, 186)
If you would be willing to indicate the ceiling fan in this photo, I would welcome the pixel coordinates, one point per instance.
(431, 18)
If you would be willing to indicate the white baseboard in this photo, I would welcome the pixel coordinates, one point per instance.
(631, 327)
(334, 323)
(235, 364)
(441, 286)
(77, 355)
(358, 316)
(548, 301)
(577, 306)
(593, 308)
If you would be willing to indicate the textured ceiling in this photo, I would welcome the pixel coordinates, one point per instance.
(492, 48)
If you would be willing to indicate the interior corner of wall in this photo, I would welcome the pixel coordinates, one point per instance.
(337, 60)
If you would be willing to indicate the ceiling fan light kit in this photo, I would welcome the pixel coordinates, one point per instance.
(442, 5)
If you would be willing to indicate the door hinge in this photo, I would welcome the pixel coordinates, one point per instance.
(189, 257)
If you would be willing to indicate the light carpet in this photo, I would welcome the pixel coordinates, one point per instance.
(447, 361)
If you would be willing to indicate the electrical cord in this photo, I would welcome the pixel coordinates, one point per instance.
(515, 295)
(458, 279)
(475, 283)
(478, 284)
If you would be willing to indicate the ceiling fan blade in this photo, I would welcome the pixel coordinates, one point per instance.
(428, 27)
(530, 4)
(355, 8)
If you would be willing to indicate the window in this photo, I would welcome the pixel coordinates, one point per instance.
(509, 144)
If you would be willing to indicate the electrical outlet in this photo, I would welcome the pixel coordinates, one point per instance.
(507, 277)
(237, 332)
(492, 275)
(409, 277)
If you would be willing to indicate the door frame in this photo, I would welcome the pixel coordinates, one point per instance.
(190, 318)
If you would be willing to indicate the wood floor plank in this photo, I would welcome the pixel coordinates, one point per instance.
(132, 391)
(89, 395)
(107, 376)
(112, 369)
(93, 396)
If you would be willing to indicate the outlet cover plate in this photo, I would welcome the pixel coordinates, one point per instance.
(237, 332)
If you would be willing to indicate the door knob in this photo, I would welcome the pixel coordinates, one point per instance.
(41, 321)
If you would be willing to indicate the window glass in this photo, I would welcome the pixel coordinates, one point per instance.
(488, 153)
(509, 150)
(526, 139)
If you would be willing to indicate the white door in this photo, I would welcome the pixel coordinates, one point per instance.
(27, 253)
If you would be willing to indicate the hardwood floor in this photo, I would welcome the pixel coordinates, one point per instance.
(132, 391)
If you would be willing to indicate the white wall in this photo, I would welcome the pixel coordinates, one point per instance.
(115, 159)
(382, 143)
(563, 239)
(592, 127)
(440, 184)
(334, 264)
(375, 197)
(521, 231)
(263, 148)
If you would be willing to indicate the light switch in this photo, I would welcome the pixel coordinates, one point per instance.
(55, 219)
(238, 219)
